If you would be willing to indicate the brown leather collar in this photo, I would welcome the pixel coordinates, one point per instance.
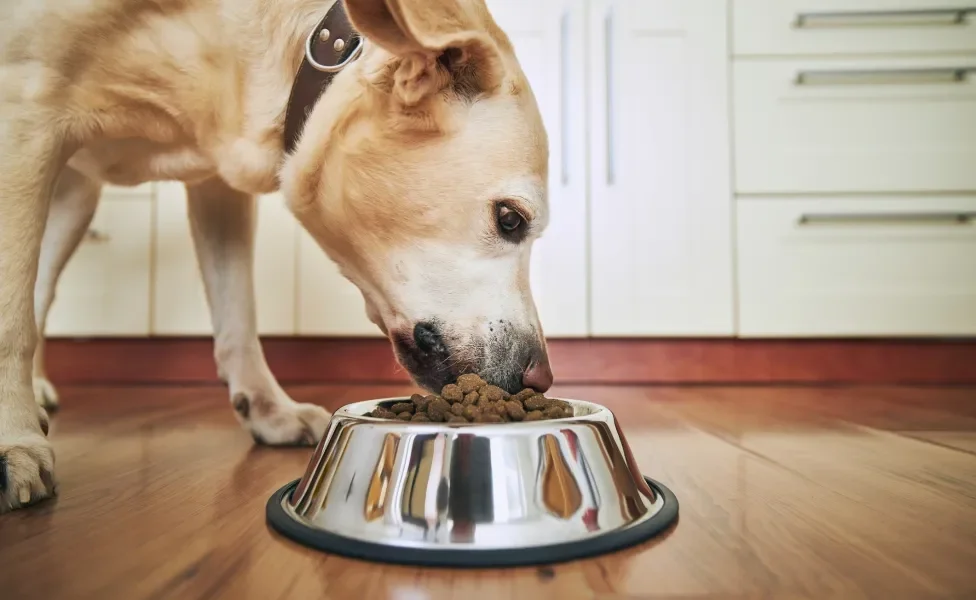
(332, 45)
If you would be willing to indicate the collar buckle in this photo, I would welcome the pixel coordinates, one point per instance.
(352, 55)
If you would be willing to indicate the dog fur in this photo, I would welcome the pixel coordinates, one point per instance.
(406, 170)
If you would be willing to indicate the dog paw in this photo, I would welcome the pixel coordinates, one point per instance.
(44, 394)
(26, 470)
(276, 422)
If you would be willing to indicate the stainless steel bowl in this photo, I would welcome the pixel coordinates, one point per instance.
(479, 495)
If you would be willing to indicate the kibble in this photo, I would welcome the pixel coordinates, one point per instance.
(552, 413)
(452, 393)
(472, 400)
(536, 402)
(525, 393)
(495, 393)
(515, 410)
(420, 402)
(470, 383)
(438, 410)
(384, 413)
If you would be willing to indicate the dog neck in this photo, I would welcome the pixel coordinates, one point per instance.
(273, 34)
(330, 47)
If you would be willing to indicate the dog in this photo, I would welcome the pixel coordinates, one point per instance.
(421, 170)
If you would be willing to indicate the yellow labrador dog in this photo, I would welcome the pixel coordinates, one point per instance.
(420, 169)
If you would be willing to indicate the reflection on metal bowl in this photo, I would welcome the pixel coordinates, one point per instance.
(472, 494)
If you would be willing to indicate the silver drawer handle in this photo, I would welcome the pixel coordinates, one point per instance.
(884, 76)
(94, 235)
(931, 218)
(884, 18)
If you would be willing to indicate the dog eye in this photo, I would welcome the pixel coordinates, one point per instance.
(508, 219)
(511, 224)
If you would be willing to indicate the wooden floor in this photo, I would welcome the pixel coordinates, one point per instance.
(785, 493)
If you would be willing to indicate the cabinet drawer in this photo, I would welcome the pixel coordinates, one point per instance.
(893, 125)
(104, 288)
(865, 267)
(852, 27)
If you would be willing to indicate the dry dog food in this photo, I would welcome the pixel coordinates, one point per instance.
(472, 400)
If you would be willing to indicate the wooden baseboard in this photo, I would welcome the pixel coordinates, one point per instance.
(603, 361)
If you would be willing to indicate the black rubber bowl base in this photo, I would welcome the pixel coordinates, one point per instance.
(612, 541)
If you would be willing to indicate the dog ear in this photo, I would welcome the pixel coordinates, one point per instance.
(439, 43)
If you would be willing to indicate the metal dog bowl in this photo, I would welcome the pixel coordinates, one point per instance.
(472, 494)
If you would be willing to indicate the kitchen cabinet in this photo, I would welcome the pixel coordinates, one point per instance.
(660, 199)
(835, 28)
(786, 168)
(901, 266)
(855, 140)
(891, 124)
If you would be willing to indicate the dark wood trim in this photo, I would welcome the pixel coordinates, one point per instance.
(580, 361)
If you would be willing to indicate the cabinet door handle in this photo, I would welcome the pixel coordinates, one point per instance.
(884, 18)
(608, 56)
(884, 76)
(564, 94)
(906, 218)
(94, 235)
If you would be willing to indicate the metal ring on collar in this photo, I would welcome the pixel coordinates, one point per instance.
(331, 68)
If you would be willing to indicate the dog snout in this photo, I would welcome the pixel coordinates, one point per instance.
(428, 339)
(538, 375)
(426, 354)
(514, 362)
(435, 357)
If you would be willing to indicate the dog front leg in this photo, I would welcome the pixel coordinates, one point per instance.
(72, 208)
(29, 161)
(223, 222)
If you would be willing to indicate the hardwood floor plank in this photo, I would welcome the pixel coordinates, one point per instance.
(887, 491)
(963, 441)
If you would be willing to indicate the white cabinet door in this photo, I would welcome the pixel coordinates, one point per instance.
(548, 36)
(179, 299)
(660, 210)
(104, 288)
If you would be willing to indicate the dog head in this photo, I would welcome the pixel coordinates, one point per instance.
(422, 172)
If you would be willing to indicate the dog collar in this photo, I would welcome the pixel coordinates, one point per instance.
(333, 44)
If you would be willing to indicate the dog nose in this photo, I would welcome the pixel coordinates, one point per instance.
(538, 376)
(428, 339)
